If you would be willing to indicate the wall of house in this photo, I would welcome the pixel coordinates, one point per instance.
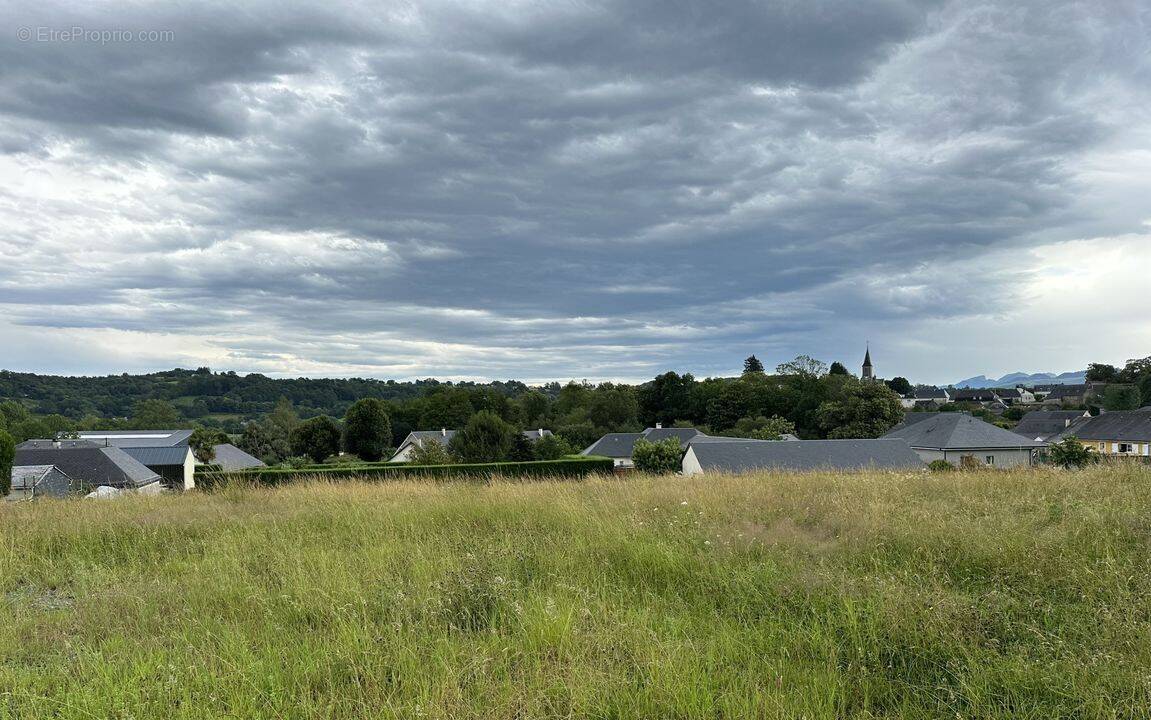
(691, 464)
(1002, 458)
(403, 454)
(190, 471)
(1111, 447)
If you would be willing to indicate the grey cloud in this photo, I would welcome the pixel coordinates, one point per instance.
(551, 186)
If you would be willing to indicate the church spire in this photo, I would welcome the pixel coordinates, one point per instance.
(868, 370)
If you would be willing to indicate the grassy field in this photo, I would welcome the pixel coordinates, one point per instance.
(962, 595)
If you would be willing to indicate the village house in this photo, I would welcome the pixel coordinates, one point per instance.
(443, 436)
(620, 446)
(962, 439)
(85, 466)
(1044, 424)
(1115, 434)
(736, 456)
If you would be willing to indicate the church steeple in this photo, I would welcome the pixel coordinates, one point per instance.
(868, 370)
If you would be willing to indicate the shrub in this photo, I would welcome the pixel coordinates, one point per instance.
(940, 466)
(486, 438)
(523, 449)
(552, 447)
(1071, 454)
(7, 457)
(430, 452)
(318, 438)
(367, 429)
(203, 443)
(657, 458)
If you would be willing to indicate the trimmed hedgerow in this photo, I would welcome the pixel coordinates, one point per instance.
(566, 468)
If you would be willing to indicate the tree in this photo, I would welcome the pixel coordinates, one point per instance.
(552, 447)
(900, 385)
(7, 457)
(1122, 397)
(657, 458)
(284, 417)
(485, 438)
(317, 438)
(154, 415)
(774, 429)
(266, 440)
(1071, 454)
(867, 410)
(803, 366)
(430, 452)
(203, 443)
(613, 407)
(838, 368)
(534, 408)
(367, 429)
(1099, 372)
(579, 435)
(752, 365)
(522, 450)
(666, 399)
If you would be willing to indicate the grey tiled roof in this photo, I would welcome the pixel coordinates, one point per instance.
(684, 435)
(419, 436)
(41, 444)
(1128, 426)
(1043, 424)
(230, 457)
(24, 476)
(806, 455)
(953, 431)
(137, 438)
(614, 445)
(159, 456)
(92, 465)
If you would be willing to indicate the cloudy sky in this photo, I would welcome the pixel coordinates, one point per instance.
(574, 189)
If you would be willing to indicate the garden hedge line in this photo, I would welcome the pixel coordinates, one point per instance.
(567, 468)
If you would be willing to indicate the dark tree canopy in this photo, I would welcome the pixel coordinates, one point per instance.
(317, 438)
(1099, 372)
(486, 438)
(367, 429)
(900, 385)
(752, 365)
(838, 368)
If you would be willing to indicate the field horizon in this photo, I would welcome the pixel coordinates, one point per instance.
(1022, 594)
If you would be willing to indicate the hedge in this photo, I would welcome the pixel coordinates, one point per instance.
(539, 469)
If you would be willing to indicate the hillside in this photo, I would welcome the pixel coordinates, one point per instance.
(1020, 378)
(772, 596)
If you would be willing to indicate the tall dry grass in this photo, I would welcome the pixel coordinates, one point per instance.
(995, 594)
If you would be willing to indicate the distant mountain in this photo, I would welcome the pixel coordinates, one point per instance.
(1022, 378)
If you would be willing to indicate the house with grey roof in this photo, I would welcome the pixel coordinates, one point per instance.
(962, 439)
(175, 463)
(137, 438)
(619, 446)
(417, 438)
(1116, 434)
(231, 458)
(1044, 424)
(89, 466)
(32, 481)
(740, 456)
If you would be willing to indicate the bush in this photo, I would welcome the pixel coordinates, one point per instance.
(317, 438)
(1071, 454)
(367, 429)
(7, 457)
(657, 458)
(940, 466)
(523, 449)
(430, 452)
(552, 447)
(549, 469)
(485, 439)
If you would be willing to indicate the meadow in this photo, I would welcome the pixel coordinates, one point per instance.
(1023, 594)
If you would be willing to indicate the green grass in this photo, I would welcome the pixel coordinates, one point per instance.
(965, 595)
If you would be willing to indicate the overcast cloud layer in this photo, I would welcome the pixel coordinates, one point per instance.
(549, 190)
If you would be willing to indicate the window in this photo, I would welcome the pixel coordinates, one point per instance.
(990, 459)
(1125, 448)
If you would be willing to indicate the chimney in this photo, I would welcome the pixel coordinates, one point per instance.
(541, 432)
(443, 432)
(56, 444)
(659, 426)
